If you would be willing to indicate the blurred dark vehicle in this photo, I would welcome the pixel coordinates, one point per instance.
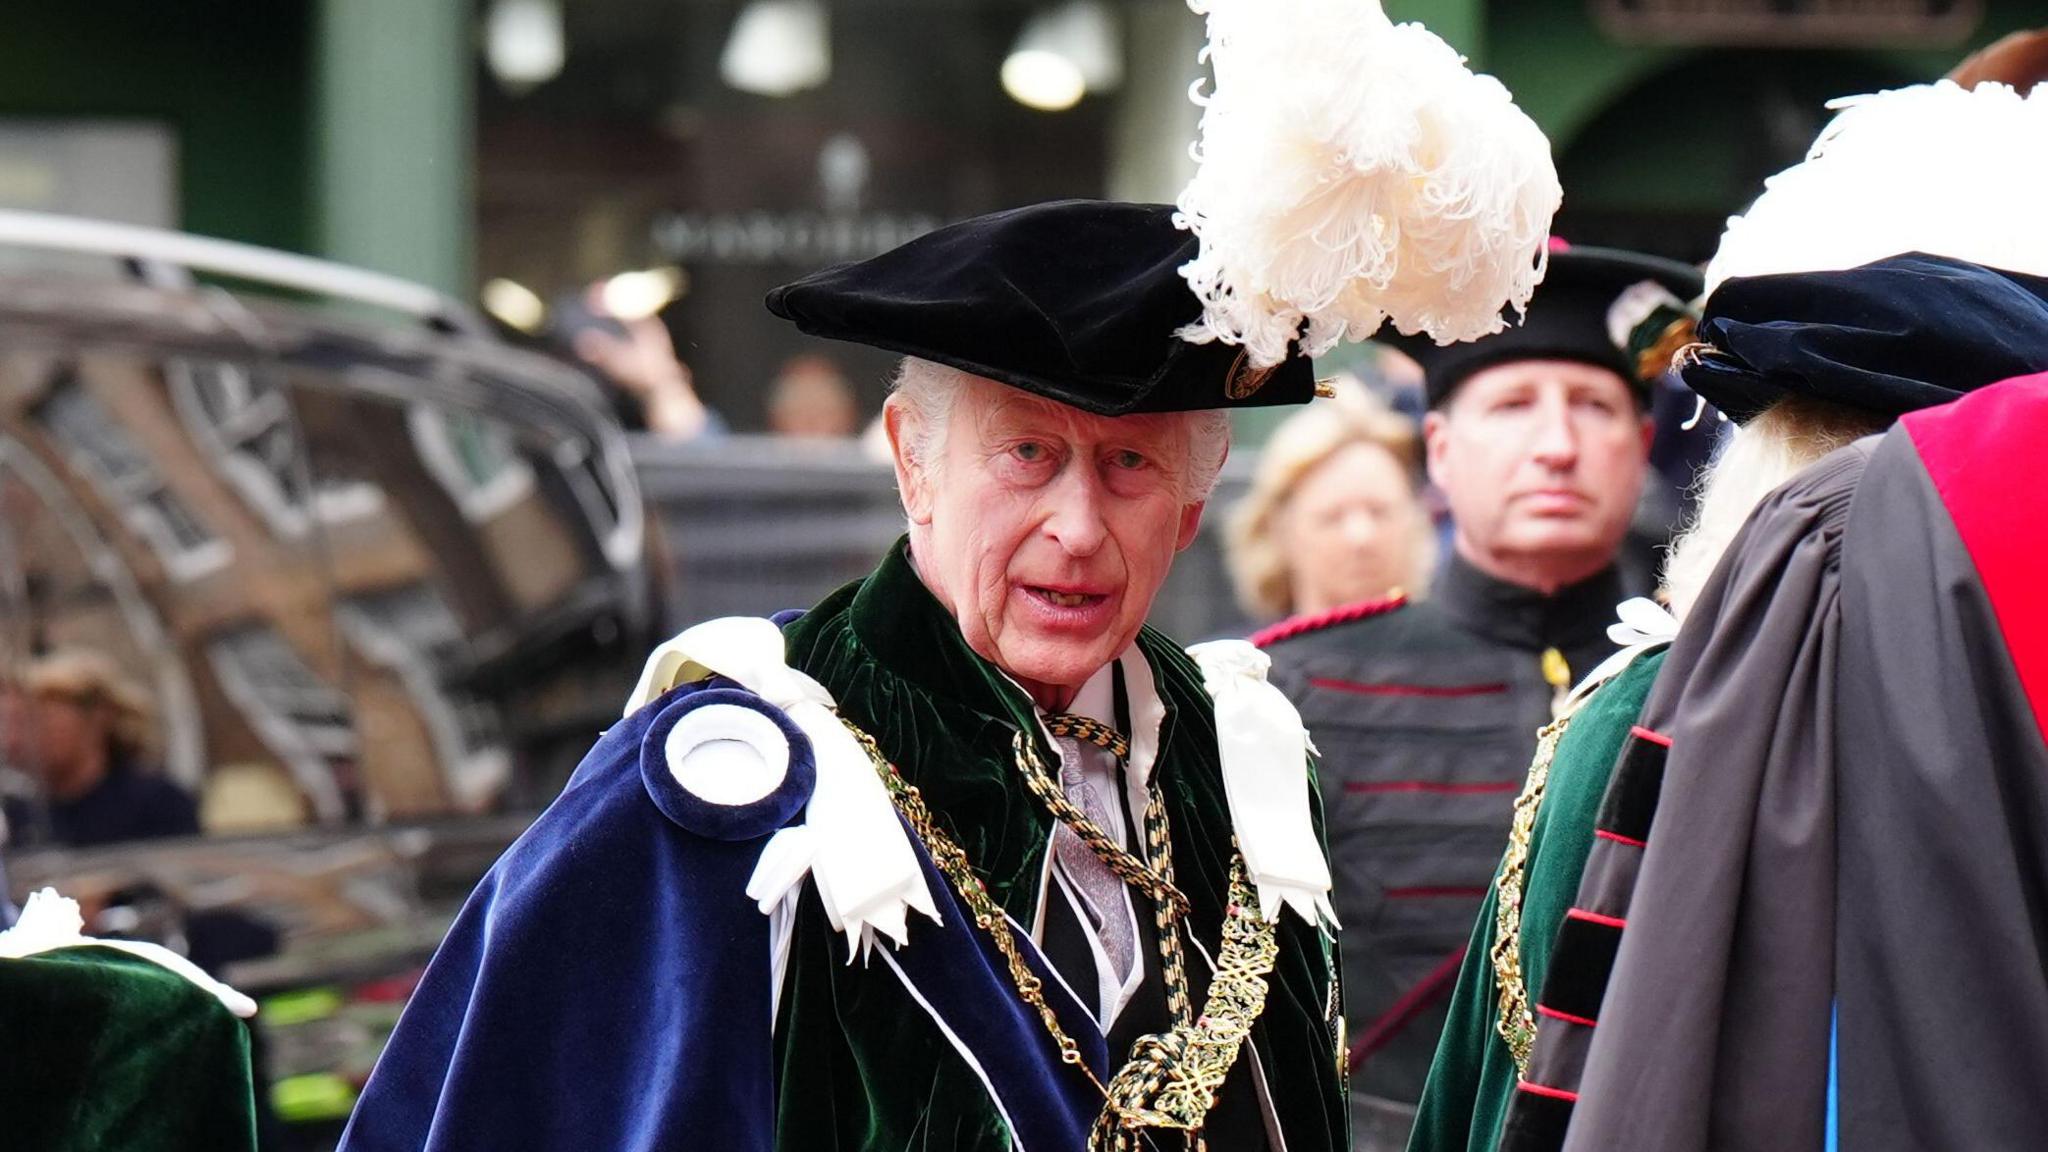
(382, 578)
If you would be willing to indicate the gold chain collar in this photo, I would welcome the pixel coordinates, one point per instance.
(1516, 1023)
(1171, 1079)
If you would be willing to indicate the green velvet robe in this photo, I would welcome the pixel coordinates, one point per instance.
(101, 1051)
(1473, 1076)
(860, 1065)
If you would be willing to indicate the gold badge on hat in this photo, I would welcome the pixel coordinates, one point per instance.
(1244, 381)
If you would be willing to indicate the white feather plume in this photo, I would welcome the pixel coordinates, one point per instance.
(1353, 171)
(1933, 168)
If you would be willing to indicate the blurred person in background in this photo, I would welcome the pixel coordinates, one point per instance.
(811, 399)
(634, 359)
(1400, 382)
(1485, 1050)
(1425, 713)
(1333, 516)
(77, 725)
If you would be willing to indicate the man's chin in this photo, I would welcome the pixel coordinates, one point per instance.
(1572, 546)
(1064, 666)
(1553, 534)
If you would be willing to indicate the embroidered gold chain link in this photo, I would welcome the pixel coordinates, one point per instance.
(1516, 1023)
(1172, 1078)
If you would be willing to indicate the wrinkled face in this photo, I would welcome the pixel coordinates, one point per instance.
(1350, 528)
(1046, 531)
(1541, 462)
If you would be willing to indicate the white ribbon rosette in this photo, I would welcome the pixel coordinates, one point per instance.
(1264, 751)
(851, 842)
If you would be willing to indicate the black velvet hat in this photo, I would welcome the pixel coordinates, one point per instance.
(1572, 316)
(1889, 337)
(1075, 300)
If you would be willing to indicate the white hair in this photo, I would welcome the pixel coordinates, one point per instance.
(927, 391)
(1757, 459)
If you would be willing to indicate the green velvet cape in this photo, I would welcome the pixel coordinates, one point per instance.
(860, 1065)
(1473, 1076)
(101, 1051)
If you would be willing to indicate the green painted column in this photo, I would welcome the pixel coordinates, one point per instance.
(394, 118)
(1461, 23)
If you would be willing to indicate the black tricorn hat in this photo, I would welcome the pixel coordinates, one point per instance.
(1074, 300)
(1572, 316)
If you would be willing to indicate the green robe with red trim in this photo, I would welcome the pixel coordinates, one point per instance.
(1425, 715)
(1473, 1077)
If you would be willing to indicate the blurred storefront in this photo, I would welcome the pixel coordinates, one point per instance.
(748, 143)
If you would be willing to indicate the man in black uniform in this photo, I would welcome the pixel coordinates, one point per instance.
(1425, 713)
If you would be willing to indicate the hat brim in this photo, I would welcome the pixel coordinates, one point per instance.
(1567, 320)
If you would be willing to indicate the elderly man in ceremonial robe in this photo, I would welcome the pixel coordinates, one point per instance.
(965, 856)
(1079, 872)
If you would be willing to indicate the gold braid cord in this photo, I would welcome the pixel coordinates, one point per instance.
(1127, 867)
(1168, 903)
(1173, 963)
(1172, 1078)
(1092, 730)
(1516, 1023)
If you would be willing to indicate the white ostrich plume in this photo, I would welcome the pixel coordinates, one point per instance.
(1353, 171)
(1933, 168)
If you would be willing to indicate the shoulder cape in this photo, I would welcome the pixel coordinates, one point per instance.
(106, 1052)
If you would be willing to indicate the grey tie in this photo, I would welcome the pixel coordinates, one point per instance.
(1101, 889)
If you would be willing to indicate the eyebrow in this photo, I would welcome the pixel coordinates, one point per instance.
(1008, 414)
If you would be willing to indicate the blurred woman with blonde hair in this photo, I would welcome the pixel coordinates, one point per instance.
(1334, 515)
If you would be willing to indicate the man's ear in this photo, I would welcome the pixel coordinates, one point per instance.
(1190, 525)
(913, 476)
(1435, 445)
(1649, 434)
